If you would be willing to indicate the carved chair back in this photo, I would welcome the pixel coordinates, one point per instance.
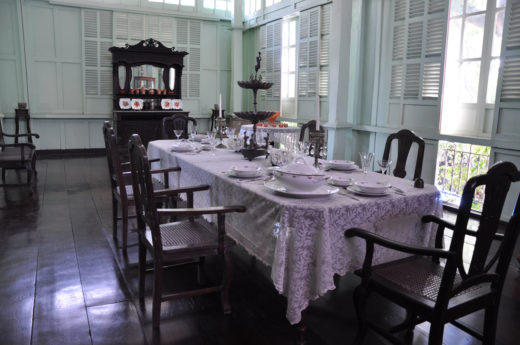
(310, 127)
(114, 160)
(495, 185)
(405, 138)
(177, 121)
(146, 209)
(22, 115)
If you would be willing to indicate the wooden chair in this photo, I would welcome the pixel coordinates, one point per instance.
(170, 242)
(177, 121)
(121, 183)
(405, 138)
(310, 127)
(18, 155)
(444, 292)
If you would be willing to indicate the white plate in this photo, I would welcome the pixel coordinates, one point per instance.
(199, 137)
(181, 148)
(246, 170)
(271, 170)
(341, 164)
(372, 186)
(166, 103)
(176, 104)
(125, 103)
(137, 104)
(321, 191)
(340, 181)
(232, 173)
(356, 190)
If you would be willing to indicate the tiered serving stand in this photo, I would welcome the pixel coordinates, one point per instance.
(251, 148)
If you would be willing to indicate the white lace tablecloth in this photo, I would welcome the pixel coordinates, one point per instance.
(302, 240)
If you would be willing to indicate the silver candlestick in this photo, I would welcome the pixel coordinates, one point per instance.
(220, 123)
(317, 138)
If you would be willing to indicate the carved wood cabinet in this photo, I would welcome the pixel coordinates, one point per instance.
(145, 75)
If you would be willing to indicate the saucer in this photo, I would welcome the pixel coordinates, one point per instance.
(355, 189)
(320, 192)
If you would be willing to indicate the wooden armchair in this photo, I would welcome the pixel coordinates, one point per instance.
(310, 127)
(405, 138)
(177, 121)
(18, 155)
(121, 183)
(192, 238)
(444, 292)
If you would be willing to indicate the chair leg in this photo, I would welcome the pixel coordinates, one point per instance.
(29, 175)
(436, 333)
(226, 282)
(157, 292)
(200, 274)
(3, 174)
(115, 209)
(490, 325)
(142, 267)
(124, 216)
(33, 166)
(360, 298)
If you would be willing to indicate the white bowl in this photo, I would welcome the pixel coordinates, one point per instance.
(372, 187)
(300, 167)
(298, 182)
(341, 181)
(246, 170)
(199, 137)
(341, 164)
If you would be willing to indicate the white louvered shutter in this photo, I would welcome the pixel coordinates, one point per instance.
(271, 42)
(418, 37)
(510, 86)
(187, 34)
(309, 52)
(97, 60)
(324, 50)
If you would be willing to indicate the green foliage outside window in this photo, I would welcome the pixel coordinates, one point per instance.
(456, 164)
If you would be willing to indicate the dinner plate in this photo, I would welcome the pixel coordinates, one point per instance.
(340, 181)
(232, 173)
(125, 103)
(181, 148)
(356, 190)
(319, 192)
(338, 164)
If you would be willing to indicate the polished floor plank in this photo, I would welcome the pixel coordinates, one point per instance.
(115, 323)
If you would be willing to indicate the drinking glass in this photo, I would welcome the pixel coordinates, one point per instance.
(366, 160)
(178, 133)
(193, 133)
(230, 132)
(384, 164)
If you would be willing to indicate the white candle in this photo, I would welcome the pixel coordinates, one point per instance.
(219, 105)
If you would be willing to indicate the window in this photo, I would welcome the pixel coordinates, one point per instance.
(251, 6)
(176, 2)
(224, 5)
(271, 2)
(472, 64)
(289, 59)
(288, 68)
(456, 164)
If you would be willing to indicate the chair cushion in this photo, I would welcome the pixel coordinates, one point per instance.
(188, 235)
(416, 275)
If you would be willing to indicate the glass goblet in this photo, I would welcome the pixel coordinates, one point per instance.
(366, 160)
(193, 133)
(384, 164)
(178, 133)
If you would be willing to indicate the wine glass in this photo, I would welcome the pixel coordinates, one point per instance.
(178, 133)
(366, 160)
(384, 164)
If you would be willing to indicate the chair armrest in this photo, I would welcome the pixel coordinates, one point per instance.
(435, 219)
(193, 212)
(165, 170)
(150, 161)
(376, 239)
(21, 135)
(496, 236)
(474, 280)
(164, 192)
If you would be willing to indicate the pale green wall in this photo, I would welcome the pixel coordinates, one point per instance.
(42, 63)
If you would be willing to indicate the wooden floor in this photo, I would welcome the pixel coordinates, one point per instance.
(64, 281)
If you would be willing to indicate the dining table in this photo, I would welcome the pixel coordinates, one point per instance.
(300, 238)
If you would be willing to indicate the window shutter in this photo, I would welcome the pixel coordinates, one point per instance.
(121, 26)
(418, 39)
(188, 34)
(510, 90)
(310, 53)
(152, 27)
(97, 60)
(136, 27)
(324, 50)
(271, 61)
